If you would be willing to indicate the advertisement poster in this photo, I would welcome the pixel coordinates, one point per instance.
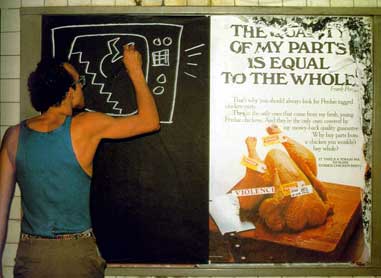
(290, 120)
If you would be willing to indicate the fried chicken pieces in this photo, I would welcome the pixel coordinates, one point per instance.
(280, 211)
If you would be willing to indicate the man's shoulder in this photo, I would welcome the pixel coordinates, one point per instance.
(89, 122)
(10, 140)
(11, 133)
(14, 128)
(88, 117)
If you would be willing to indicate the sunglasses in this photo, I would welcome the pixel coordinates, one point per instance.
(81, 80)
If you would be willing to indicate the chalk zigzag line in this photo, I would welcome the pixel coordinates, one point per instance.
(108, 94)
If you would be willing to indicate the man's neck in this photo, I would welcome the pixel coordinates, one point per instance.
(49, 120)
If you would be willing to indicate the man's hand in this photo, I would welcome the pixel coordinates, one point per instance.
(132, 59)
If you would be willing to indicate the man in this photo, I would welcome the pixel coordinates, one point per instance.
(51, 158)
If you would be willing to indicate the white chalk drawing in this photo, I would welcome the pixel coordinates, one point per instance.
(158, 90)
(87, 30)
(157, 42)
(108, 94)
(196, 47)
(161, 79)
(113, 50)
(190, 75)
(160, 58)
(167, 41)
(195, 54)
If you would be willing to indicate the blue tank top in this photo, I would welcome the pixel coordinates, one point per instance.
(55, 191)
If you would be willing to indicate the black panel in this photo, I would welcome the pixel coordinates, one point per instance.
(150, 193)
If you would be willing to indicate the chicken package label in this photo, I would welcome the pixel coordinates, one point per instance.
(301, 191)
(295, 189)
(274, 139)
(253, 164)
(254, 191)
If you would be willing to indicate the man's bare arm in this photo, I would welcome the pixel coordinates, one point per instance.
(7, 182)
(102, 126)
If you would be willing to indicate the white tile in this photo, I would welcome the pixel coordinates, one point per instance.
(365, 3)
(55, 3)
(103, 3)
(10, 43)
(10, 20)
(13, 231)
(318, 3)
(270, 2)
(125, 3)
(32, 3)
(79, 2)
(10, 67)
(10, 113)
(15, 213)
(10, 90)
(222, 2)
(246, 2)
(200, 2)
(152, 2)
(175, 2)
(8, 272)
(342, 3)
(294, 3)
(2, 130)
(9, 254)
(10, 4)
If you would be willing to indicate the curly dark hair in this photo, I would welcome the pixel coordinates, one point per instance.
(48, 84)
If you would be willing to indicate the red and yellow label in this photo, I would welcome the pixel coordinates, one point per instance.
(296, 189)
(253, 164)
(274, 139)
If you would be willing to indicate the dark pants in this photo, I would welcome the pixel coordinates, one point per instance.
(58, 258)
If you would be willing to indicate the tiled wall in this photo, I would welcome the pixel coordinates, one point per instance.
(10, 64)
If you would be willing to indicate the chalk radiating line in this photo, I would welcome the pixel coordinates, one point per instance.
(194, 47)
(192, 64)
(191, 75)
(195, 54)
